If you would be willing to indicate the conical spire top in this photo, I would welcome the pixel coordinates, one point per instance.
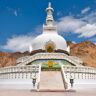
(49, 4)
(49, 26)
(49, 18)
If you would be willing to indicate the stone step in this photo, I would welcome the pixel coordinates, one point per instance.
(51, 80)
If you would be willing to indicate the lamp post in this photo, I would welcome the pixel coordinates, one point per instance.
(34, 79)
(71, 81)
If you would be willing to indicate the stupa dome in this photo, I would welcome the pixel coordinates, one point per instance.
(42, 40)
(49, 39)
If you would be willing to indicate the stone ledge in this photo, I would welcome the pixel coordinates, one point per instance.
(52, 90)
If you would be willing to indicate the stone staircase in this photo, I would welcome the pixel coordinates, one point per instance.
(51, 80)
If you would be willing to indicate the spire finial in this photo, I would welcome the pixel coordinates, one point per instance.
(49, 4)
(49, 18)
(49, 26)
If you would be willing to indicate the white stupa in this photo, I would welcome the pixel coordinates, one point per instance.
(49, 65)
(49, 34)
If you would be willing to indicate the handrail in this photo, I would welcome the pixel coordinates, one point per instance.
(48, 56)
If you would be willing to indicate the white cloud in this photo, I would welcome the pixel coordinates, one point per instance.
(18, 43)
(21, 43)
(94, 43)
(88, 30)
(74, 42)
(15, 13)
(90, 18)
(59, 13)
(38, 30)
(69, 24)
(85, 10)
(84, 27)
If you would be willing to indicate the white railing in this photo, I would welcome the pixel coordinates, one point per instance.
(22, 59)
(48, 56)
(28, 72)
(79, 72)
(20, 72)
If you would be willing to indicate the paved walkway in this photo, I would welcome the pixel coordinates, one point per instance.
(79, 92)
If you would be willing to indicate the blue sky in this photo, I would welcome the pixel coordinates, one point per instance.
(22, 20)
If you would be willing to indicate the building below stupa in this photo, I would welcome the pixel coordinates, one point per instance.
(49, 65)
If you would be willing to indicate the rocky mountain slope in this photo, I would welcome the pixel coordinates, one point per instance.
(85, 50)
(9, 59)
